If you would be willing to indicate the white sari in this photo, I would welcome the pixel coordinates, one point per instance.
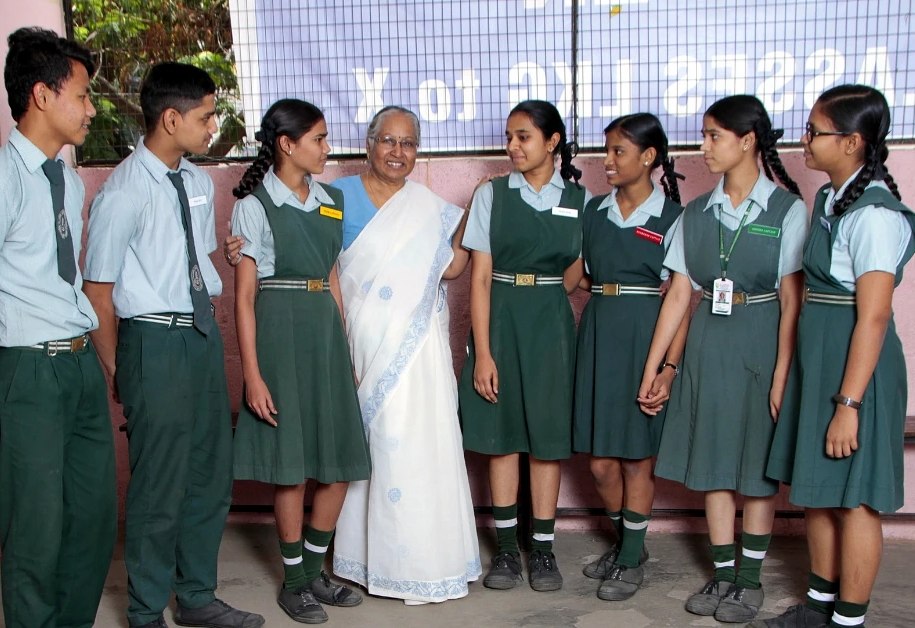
(408, 532)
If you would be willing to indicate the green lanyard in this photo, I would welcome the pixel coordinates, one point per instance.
(725, 258)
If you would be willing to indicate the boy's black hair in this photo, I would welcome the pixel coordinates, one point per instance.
(37, 55)
(171, 85)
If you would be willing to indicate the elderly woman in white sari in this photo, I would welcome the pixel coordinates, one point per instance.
(409, 531)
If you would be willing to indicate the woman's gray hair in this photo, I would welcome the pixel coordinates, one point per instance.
(385, 112)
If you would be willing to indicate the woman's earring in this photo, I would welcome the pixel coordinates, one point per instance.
(289, 152)
(646, 164)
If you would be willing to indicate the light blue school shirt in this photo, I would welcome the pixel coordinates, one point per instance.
(36, 305)
(359, 208)
(793, 235)
(137, 240)
(476, 236)
(651, 207)
(870, 238)
(249, 219)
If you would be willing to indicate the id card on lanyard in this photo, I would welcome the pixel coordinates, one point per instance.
(723, 288)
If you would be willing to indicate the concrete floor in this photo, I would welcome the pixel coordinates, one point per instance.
(250, 574)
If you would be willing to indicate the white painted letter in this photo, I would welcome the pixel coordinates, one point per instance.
(688, 72)
(831, 66)
(371, 92)
(437, 91)
(524, 72)
(780, 65)
(468, 85)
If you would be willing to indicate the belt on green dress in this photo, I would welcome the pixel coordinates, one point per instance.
(526, 279)
(619, 290)
(827, 297)
(310, 285)
(744, 298)
(168, 319)
(71, 345)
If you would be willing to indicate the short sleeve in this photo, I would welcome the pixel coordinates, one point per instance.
(476, 235)
(250, 222)
(210, 224)
(11, 195)
(794, 234)
(876, 238)
(112, 223)
(675, 258)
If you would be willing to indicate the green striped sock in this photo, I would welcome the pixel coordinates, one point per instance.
(635, 525)
(723, 556)
(315, 547)
(542, 534)
(848, 614)
(293, 572)
(506, 519)
(821, 594)
(752, 554)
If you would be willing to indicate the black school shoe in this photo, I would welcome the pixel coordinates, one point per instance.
(543, 572)
(600, 568)
(739, 605)
(621, 583)
(217, 614)
(799, 616)
(706, 600)
(333, 594)
(505, 572)
(301, 606)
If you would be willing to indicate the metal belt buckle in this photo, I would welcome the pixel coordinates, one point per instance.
(524, 279)
(315, 285)
(52, 349)
(740, 298)
(806, 294)
(78, 344)
(610, 289)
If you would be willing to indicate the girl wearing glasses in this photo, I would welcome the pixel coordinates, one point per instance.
(524, 233)
(840, 444)
(741, 245)
(301, 417)
(626, 234)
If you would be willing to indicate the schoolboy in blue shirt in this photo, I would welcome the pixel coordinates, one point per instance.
(151, 228)
(57, 485)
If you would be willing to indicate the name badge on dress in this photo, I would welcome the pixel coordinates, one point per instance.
(568, 212)
(647, 234)
(722, 295)
(764, 230)
(330, 212)
(194, 201)
(826, 224)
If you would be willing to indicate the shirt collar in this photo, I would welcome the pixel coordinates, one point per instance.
(156, 167)
(653, 205)
(517, 180)
(280, 194)
(760, 193)
(832, 195)
(31, 155)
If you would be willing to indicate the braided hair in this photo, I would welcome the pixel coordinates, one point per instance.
(741, 114)
(645, 131)
(863, 110)
(546, 117)
(290, 117)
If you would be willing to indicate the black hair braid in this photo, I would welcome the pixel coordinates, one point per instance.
(891, 184)
(773, 163)
(568, 150)
(856, 188)
(669, 180)
(256, 171)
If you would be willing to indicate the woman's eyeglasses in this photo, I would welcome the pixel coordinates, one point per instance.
(406, 143)
(810, 133)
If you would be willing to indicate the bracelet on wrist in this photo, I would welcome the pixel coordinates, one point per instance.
(671, 365)
(842, 400)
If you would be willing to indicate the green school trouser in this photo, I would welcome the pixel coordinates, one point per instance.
(58, 510)
(172, 383)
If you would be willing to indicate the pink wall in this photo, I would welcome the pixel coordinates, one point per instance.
(455, 179)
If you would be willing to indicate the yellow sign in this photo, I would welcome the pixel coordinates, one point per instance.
(330, 212)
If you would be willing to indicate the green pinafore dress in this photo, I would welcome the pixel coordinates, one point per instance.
(873, 474)
(718, 428)
(304, 360)
(531, 332)
(614, 336)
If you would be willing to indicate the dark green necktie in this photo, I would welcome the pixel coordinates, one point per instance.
(66, 261)
(203, 315)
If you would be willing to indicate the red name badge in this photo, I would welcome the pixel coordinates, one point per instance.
(651, 236)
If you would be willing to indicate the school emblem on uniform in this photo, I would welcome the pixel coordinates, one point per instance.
(63, 229)
(647, 234)
(196, 278)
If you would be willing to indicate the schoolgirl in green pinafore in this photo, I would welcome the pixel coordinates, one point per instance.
(625, 236)
(724, 405)
(515, 391)
(839, 443)
(300, 418)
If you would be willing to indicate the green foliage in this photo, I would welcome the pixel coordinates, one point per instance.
(131, 35)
